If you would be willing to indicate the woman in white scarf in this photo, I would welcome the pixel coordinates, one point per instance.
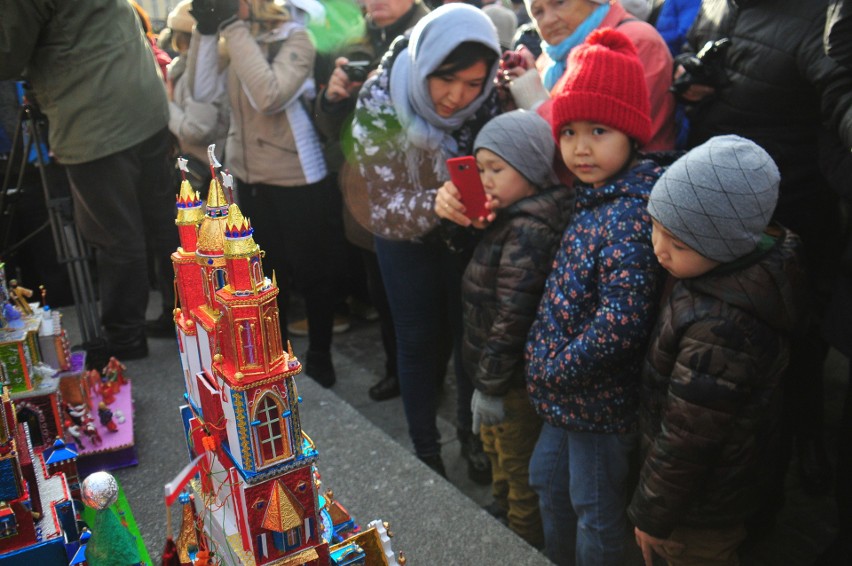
(425, 104)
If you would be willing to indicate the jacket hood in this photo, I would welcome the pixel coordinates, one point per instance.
(553, 206)
(768, 284)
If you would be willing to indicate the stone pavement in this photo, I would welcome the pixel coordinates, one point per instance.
(373, 473)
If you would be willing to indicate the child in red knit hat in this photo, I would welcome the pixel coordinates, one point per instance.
(585, 349)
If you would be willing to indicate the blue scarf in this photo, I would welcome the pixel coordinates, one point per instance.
(559, 53)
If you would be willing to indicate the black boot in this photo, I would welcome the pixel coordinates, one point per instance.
(478, 464)
(436, 463)
(386, 388)
(318, 366)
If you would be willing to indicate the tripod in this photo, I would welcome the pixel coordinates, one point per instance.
(71, 250)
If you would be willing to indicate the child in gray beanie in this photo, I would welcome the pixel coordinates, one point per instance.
(501, 289)
(710, 405)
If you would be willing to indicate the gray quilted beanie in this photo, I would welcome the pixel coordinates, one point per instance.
(718, 198)
(524, 141)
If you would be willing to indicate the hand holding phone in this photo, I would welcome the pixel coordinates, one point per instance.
(465, 176)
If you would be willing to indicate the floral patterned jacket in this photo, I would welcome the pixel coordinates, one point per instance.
(402, 194)
(585, 348)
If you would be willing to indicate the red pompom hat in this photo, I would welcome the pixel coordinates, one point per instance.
(605, 83)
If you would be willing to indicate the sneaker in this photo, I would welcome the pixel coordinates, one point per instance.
(436, 463)
(318, 366)
(478, 464)
(300, 327)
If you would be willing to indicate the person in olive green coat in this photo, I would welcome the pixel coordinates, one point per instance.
(95, 78)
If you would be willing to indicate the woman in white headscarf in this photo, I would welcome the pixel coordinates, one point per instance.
(426, 104)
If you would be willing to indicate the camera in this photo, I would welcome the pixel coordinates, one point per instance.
(705, 67)
(357, 71)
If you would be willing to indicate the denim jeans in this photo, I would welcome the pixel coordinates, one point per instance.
(423, 284)
(581, 482)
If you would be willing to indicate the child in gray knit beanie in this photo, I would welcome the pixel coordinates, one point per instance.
(710, 408)
(712, 205)
(501, 288)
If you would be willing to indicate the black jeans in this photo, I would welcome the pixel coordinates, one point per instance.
(301, 230)
(124, 203)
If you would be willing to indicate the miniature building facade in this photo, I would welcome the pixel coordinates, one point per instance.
(258, 498)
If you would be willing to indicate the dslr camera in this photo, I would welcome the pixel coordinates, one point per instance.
(357, 71)
(704, 68)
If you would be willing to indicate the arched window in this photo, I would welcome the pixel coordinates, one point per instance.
(271, 430)
(220, 279)
(256, 272)
(274, 348)
(247, 345)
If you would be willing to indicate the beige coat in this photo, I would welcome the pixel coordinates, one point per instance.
(271, 138)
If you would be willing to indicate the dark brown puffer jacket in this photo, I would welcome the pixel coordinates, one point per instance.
(503, 283)
(711, 391)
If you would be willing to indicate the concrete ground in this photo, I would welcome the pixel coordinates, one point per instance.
(806, 523)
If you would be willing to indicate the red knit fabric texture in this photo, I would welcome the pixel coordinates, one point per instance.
(605, 83)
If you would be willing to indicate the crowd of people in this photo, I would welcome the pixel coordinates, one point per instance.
(636, 324)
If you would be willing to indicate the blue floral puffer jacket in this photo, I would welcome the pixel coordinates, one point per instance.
(585, 349)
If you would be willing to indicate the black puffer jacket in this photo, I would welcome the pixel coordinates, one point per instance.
(502, 286)
(781, 88)
(711, 394)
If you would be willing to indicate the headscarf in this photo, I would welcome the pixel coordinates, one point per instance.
(432, 39)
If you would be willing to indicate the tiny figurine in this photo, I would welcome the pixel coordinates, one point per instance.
(105, 416)
(114, 372)
(73, 430)
(107, 390)
(78, 413)
(92, 432)
(19, 296)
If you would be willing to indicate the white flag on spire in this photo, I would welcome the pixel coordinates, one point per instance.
(211, 155)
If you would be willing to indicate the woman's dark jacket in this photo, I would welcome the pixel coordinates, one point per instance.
(502, 286)
(711, 391)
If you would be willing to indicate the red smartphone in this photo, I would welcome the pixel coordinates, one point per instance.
(465, 176)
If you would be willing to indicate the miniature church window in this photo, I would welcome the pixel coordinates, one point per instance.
(287, 541)
(256, 272)
(8, 523)
(247, 345)
(273, 333)
(270, 429)
(205, 286)
(219, 279)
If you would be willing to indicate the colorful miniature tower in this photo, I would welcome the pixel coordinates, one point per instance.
(256, 497)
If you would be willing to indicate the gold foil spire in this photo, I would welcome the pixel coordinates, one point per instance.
(238, 234)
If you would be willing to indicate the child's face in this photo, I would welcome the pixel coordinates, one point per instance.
(504, 185)
(676, 257)
(593, 152)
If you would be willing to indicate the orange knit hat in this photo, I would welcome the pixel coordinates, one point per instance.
(605, 83)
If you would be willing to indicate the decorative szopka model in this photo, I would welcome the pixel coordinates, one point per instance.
(257, 495)
(37, 514)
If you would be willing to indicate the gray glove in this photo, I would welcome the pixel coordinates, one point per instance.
(487, 410)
